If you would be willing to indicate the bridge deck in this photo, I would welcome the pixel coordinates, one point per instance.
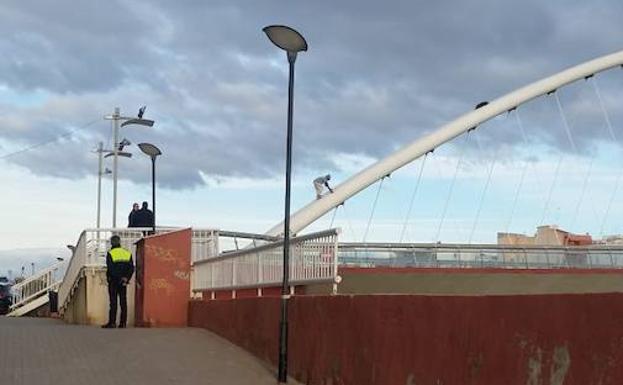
(43, 351)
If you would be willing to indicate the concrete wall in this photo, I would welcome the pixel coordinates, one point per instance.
(474, 281)
(89, 303)
(432, 340)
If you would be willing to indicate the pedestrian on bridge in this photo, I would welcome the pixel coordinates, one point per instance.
(119, 270)
(144, 217)
(320, 183)
(132, 215)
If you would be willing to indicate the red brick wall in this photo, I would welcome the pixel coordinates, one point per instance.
(431, 340)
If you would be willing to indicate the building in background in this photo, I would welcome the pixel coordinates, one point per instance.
(547, 235)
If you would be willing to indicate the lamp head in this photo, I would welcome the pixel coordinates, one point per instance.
(124, 143)
(150, 149)
(286, 38)
(140, 122)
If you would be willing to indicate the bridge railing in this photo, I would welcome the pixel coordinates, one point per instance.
(93, 245)
(90, 250)
(35, 286)
(211, 243)
(477, 255)
(313, 258)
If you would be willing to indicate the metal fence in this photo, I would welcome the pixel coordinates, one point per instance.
(90, 250)
(36, 285)
(313, 258)
(471, 256)
(93, 245)
(211, 243)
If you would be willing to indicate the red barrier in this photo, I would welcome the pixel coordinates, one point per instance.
(431, 340)
(163, 279)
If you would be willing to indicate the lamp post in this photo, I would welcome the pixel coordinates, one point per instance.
(292, 42)
(153, 152)
(116, 118)
(100, 172)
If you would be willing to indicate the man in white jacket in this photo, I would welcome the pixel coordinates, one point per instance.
(320, 183)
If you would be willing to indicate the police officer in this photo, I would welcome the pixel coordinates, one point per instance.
(119, 270)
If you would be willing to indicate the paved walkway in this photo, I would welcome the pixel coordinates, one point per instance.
(43, 351)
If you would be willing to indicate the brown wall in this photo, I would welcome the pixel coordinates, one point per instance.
(474, 281)
(430, 340)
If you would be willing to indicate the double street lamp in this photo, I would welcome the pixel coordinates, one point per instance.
(101, 171)
(292, 42)
(116, 152)
(153, 152)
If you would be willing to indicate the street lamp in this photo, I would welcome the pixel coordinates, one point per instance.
(100, 172)
(292, 42)
(152, 151)
(116, 118)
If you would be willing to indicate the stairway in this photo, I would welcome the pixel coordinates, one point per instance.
(32, 293)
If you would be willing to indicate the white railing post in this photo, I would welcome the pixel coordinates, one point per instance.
(336, 277)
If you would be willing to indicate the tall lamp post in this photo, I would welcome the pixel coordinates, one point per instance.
(101, 171)
(153, 152)
(292, 42)
(116, 118)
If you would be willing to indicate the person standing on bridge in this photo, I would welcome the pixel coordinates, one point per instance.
(144, 217)
(119, 270)
(132, 216)
(320, 183)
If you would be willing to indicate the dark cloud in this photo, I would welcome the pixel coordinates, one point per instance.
(377, 76)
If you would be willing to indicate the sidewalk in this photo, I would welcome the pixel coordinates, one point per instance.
(48, 352)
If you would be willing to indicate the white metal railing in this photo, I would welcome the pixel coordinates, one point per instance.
(204, 244)
(211, 243)
(91, 249)
(93, 244)
(475, 255)
(313, 258)
(35, 286)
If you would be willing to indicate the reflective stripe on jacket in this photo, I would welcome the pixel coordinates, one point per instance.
(119, 254)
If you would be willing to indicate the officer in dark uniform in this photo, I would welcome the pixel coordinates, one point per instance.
(119, 270)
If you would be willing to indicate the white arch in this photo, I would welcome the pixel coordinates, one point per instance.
(314, 210)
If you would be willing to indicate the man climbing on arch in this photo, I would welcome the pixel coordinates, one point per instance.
(320, 183)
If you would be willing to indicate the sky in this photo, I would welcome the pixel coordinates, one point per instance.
(377, 76)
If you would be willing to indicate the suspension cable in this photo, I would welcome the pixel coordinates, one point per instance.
(376, 199)
(614, 138)
(523, 172)
(413, 194)
(484, 190)
(69, 133)
(557, 171)
(565, 123)
(333, 217)
(575, 150)
(578, 205)
(349, 223)
(456, 172)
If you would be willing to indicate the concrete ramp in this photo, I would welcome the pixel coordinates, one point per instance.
(50, 352)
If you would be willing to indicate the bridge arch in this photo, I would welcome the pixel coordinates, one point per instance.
(358, 182)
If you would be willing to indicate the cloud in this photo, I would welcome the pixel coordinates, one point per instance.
(377, 76)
